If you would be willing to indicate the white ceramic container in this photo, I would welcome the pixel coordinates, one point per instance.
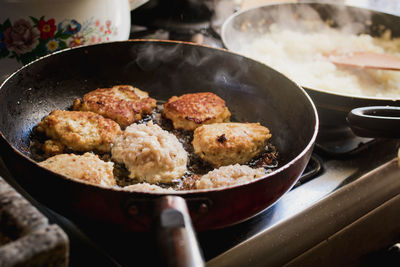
(30, 29)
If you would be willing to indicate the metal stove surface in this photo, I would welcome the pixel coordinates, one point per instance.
(344, 190)
(348, 188)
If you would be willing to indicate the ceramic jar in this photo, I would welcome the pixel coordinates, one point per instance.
(30, 29)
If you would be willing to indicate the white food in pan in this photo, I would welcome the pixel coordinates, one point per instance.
(146, 187)
(229, 175)
(301, 56)
(150, 153)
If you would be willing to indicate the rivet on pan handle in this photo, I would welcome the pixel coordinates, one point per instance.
(176, 237)
(375, 121)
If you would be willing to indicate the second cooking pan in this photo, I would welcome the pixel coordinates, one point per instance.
(252, 91)
(333, 107)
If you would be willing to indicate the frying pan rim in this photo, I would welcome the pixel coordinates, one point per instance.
(344, 95)
(309, 146)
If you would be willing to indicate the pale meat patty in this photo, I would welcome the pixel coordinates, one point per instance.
(146, 187)
(190, 111)
(223, 144)
(150, 153)
(78, 131)
(122, 103)
(87, 167)
(229, 175)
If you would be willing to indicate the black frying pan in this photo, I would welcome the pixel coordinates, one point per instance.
(253, 93)
(333, 108)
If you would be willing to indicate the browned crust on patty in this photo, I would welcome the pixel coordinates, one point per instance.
(190, 111)
(122, 103)
(80, 130)
(87, 167)
(224, 144)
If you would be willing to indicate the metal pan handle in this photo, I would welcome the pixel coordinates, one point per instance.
(175, 234)
(375, 121)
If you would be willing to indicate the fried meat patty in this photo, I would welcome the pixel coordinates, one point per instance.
(87, 167)
(190, 111)
(229, 175)
(78, 131)
(150, 153)
(146, 187)
(122, 103)
(223, 144)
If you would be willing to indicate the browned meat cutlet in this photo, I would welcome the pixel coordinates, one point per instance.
(87, 167)
(122, 103)
(79, 131)
(224, 144)
(190, 111)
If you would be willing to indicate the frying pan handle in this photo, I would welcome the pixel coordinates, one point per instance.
(176, 237)
(375, 121)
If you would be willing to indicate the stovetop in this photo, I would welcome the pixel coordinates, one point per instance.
(344, 191)
(334, 192)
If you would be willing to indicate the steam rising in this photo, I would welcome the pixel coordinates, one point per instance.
(202, 69)
(187, 58)
(294, 17)
(294, 39)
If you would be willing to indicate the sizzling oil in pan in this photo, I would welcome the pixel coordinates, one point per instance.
(267, 159)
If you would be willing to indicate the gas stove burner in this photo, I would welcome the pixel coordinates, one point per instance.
(313, 169)
(339, 142)
(181, 27)
(206, 36)
(183, 16)
(182, 20)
